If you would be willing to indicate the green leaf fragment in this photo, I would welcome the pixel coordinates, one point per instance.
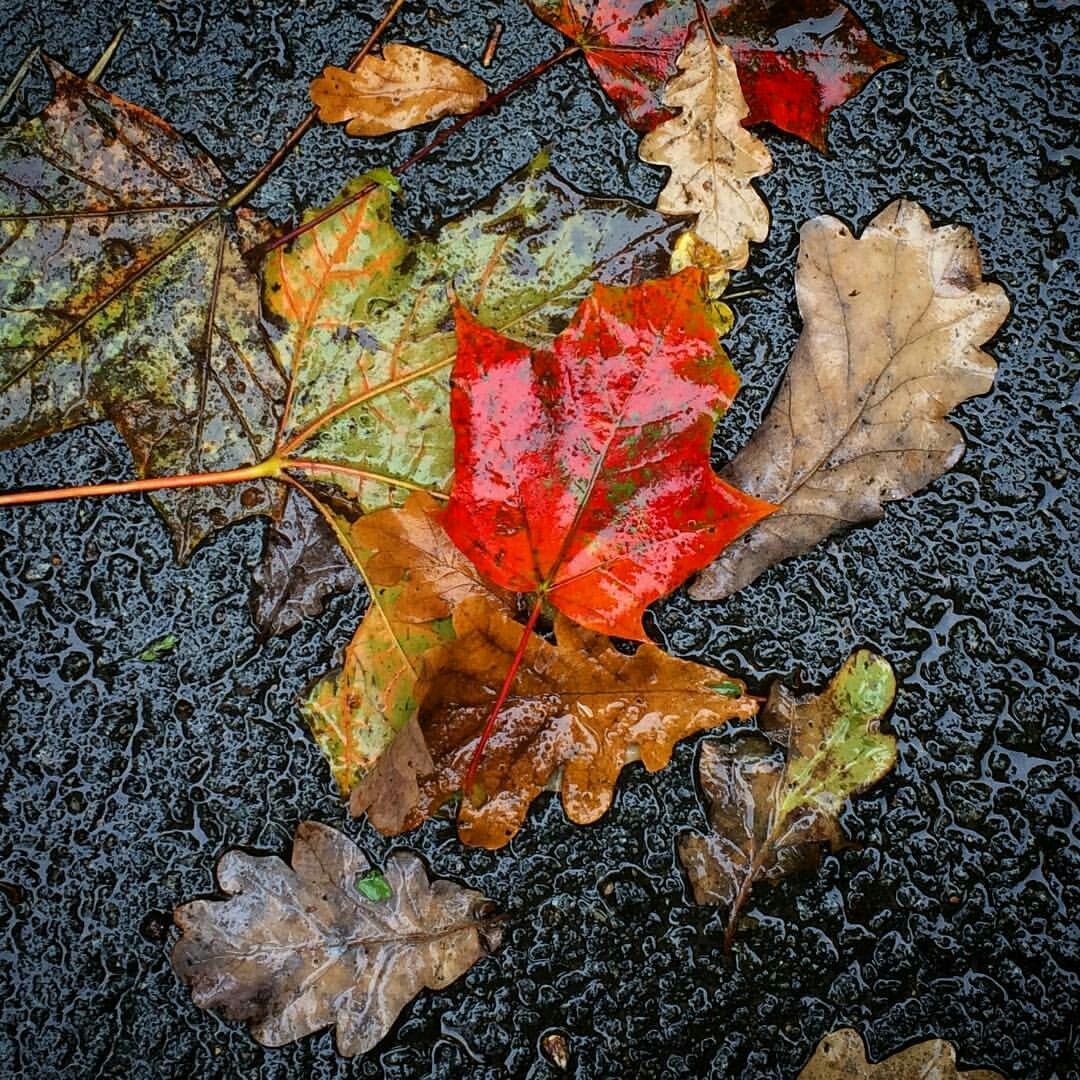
(157, 649)
(374, 886)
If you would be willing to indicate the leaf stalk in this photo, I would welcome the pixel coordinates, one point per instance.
(500, 700)
(263, 470)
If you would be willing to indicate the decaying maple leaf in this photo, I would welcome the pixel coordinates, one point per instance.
(842, 1056)
(892, 324)
(798, 61)
(124, 297)
(578, 713)
(400, 89)
(294, 950)
(713, 159)
(774, 797)
(416, 576)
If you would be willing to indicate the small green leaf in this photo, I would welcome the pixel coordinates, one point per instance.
(382, 176)
(157, 649)
(727, 688)
(374, 886)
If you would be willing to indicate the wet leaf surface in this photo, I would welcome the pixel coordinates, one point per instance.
(798, 61)
(774, 797)
(892, 324)
(400, 89)
(578, 713)
(712, 158)
(416, 576)
(302, 566)
(842, 1056)
(324, 943)
(951, 918)
(367, 333)
(630, 46)
(124, 296)
(596, 488)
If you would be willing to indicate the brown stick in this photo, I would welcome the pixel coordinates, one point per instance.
(486, 106)
(305, 125)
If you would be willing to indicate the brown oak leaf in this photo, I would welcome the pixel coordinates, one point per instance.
(578, 712)
(294, 950)
(893, 322)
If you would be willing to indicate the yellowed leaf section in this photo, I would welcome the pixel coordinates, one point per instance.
(842, 1056)
(401, 89)
(712, 157)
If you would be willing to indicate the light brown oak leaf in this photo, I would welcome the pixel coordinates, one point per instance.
(403, 88)
(842, 1056)
(712, 157)
(893, 322)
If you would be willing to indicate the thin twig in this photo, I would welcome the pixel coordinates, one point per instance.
(106, 57)
(18, 77)
(492, 45)
(305, 125)
(486, 106)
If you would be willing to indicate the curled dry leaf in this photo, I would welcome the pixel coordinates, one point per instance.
(124, 296)
(713, 159)
(416, 577)
(402, 88)
(303, 565)
(578, 713)
(773, 798)
(294, 950)
(842, 1056)
(596, 488)
(892, 324)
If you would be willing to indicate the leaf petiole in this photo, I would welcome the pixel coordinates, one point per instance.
(504, 692)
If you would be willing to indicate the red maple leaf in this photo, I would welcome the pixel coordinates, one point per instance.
(581, 471)
(630, 45)
(797, 59)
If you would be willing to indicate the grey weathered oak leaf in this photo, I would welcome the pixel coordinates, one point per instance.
(893, 322)
(294, 950)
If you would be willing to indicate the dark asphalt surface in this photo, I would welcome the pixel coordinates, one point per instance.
(121, 782)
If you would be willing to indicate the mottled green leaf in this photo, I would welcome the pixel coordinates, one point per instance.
(774, 797)
(367, 333)
(124, 297)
